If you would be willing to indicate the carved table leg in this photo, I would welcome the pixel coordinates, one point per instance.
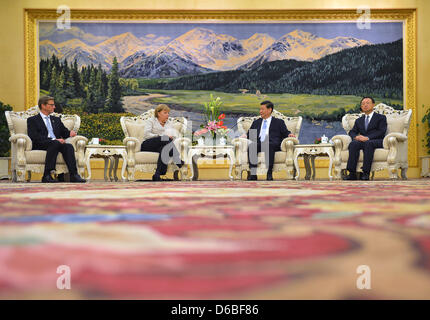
(313, 166)
(106, 167)
(307, 166)
(195, 169)
(115, 167)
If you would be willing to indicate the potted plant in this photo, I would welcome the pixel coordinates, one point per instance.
(426, 119)
(425, 160)
(4, 142)
(214, 121)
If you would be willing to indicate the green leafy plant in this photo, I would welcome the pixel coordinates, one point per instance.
(106, 126)
(213, 108)
(4, 131)
(426, 119)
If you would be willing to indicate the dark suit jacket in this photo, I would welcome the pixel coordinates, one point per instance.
(375, 130)
(277, 132)
(38, 132)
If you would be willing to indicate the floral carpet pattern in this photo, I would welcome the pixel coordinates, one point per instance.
(216, 240)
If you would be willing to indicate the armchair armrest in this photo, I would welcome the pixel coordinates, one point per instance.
(22, 140)
(341, 142)
(182, 144)
(132, 144)
(400, 137)
(241, 144)
(240, 149)
(289, 142)
(78, 142)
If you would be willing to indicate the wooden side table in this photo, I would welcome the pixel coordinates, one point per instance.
(213, 152)
(111, 155)
(310, 152)
(425, 171)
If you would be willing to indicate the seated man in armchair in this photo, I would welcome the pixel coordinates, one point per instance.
(49, 133)
(367, 135)
(266, 134)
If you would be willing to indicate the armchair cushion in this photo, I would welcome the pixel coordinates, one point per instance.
(379, 155)
(38, 156)
(135, 129)
(20, 125)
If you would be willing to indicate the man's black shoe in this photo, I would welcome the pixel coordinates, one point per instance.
(269, 177)
(364, 176)
(351, 176)
(60, 177)
(48, 179)
(252, 177)
(156, 177)
(76, 178)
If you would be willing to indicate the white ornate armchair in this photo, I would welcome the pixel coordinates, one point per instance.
(146, 161)
(283, 159)
(24, 159)
(393, 155)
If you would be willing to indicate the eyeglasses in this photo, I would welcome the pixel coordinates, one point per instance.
(51, 104)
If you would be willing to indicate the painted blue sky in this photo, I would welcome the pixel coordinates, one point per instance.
(380, 32)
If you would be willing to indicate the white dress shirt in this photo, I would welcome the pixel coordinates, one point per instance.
(268, 121)
(370, 116)
(153, 128)
(47, 118)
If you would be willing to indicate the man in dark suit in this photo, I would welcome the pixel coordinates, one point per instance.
(266, 134)
(49, 133)
(367, 135)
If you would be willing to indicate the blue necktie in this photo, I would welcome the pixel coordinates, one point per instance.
(263, 131)
(49, 126)
(366, 122)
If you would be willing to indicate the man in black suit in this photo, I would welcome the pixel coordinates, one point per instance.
(367, 135)
(49, 133)
(266, 134)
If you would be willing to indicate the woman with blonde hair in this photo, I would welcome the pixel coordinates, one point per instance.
(158, 136)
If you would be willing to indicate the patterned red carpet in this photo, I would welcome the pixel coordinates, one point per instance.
(216, 240)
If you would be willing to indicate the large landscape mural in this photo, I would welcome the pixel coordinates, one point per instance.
(316, 70)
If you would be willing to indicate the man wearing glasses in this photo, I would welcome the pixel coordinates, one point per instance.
(49, 133)
(367, 135)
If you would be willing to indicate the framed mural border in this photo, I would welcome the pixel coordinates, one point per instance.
(407, 16)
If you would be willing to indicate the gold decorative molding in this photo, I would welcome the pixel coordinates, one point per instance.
(407, 16)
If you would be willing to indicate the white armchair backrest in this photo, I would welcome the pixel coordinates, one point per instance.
(397, 120)
(17, 121)
(293, 123)
(133, 126)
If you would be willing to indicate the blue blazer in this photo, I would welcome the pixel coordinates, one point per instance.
(375, 130)
(277, 131)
